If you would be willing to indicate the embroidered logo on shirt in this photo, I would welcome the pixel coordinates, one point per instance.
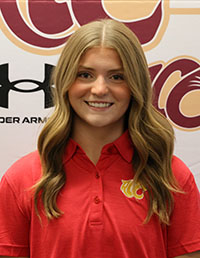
(130, 190)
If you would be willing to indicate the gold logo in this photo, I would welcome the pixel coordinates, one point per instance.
(131, 190)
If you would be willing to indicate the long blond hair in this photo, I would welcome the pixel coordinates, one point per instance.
(151, 133)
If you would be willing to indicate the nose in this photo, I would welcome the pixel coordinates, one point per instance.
(99, 87)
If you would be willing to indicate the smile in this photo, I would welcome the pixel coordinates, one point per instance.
(99, 104)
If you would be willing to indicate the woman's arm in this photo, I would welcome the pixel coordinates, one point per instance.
(190, 255)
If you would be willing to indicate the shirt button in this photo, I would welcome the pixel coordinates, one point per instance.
(96, 200)
(97, 175)
(110, 149)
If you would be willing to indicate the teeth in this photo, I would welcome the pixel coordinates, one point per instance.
(99, 105)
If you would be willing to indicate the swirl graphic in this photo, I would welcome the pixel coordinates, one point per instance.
(43, 25)
(37, 23)
(173, 84)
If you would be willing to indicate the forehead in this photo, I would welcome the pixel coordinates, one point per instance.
(101, 56)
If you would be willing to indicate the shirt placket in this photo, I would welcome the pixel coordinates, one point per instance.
(96, 212)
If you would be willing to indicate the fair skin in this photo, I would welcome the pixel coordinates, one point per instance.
(100, 98)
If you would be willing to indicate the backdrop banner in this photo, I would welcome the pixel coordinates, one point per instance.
(32, 36)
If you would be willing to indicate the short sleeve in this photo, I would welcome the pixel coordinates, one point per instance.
(14, 224)
(184, 230)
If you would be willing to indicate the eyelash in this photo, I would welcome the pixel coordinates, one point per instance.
(119, 77)
(84, 74)
(88, 76)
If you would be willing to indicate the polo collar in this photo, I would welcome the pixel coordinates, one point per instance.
(123, 145)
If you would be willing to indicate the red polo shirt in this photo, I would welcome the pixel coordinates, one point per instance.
(102, 213)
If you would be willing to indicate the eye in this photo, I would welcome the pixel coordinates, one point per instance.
(84, 75)
(117, 77)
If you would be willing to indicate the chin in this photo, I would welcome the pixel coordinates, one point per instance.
(103, 124)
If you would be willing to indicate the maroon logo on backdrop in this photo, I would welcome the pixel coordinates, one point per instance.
(47, 18)
(54, 18)
(190, 81)
(145, 29)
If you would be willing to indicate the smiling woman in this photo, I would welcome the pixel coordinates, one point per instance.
(100, 95)
(104, 181)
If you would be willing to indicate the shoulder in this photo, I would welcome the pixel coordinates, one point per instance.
(25, 171)
(182, 173)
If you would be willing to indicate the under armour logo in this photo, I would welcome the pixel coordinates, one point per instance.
(6, 86)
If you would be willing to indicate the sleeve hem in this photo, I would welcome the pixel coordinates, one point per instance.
(16, 251)
(184, 249)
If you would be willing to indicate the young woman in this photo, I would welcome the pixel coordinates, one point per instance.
(103, 182)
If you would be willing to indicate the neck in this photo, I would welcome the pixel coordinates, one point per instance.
(92, 139)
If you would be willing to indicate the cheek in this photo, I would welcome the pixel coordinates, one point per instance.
(76, 91)
(122, 94)
(73, 91)
(73, 94)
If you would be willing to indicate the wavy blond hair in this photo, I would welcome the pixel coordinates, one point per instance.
(151, 133)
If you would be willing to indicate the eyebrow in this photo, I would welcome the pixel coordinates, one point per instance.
(120, 69)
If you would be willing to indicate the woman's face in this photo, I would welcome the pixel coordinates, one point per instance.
(100, 95)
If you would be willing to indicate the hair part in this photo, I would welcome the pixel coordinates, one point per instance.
(151, 133)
